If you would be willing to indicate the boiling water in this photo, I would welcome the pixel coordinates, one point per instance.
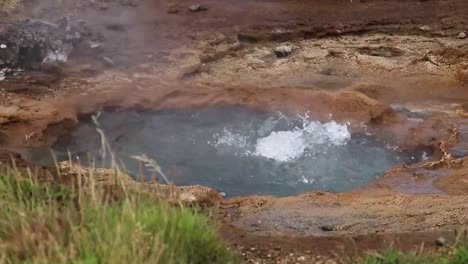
(238, 151)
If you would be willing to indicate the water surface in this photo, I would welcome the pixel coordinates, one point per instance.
(239, 151)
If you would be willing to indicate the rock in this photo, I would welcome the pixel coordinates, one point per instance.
(441, 241)
(94, 45)
(301, 259)
(29, 43)
(55, 57)
(108, 62)
(191, 66)
(189, 69)
(462, 35)
(2, 74)
(334, 53)
(198, 7)
(425, 28)
(326, 228)
(283, 51)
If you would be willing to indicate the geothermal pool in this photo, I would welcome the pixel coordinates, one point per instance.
(237, 151)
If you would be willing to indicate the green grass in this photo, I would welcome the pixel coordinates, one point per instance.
(8, 5)
(458, 255)
(53, 223)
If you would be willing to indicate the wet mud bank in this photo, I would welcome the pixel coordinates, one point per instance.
(395, 71)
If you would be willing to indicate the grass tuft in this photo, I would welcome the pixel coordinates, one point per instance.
(9, 5)
(458, 255)
(54, 223)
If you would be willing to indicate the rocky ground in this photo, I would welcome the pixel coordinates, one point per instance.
(396, 69)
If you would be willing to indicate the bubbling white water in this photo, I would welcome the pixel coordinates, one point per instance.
(284, 145)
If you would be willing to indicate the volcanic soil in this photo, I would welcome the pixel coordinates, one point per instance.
(396, 69)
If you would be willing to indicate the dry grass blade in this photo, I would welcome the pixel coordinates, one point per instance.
(152, 165)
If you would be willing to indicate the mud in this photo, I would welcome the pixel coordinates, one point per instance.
(394, 69)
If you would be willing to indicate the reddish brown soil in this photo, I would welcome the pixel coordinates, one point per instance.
(223, 56)
(334, 249)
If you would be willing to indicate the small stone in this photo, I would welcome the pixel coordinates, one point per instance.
(441, 241)
(94, 45)
(108, 61)
(198, 7)
(283, 51)
(425, 28)
(3, 46)
(326, 228)
(334, 53)
(301, 259)
(462, 35)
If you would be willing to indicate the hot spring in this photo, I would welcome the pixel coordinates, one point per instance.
(235, 150)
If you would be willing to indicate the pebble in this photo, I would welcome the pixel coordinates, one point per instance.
(109, 62)
(198, 7)
(3, 46)
(425, 28)
(326, 228)
(441, 242)
(283, 51)
(94, 45)
(462, 35)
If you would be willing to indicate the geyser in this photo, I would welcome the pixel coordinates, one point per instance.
(238, 151)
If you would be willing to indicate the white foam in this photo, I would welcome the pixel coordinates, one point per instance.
(283, 146)
(286, 146)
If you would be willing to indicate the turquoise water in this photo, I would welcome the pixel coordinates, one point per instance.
(236, 150)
